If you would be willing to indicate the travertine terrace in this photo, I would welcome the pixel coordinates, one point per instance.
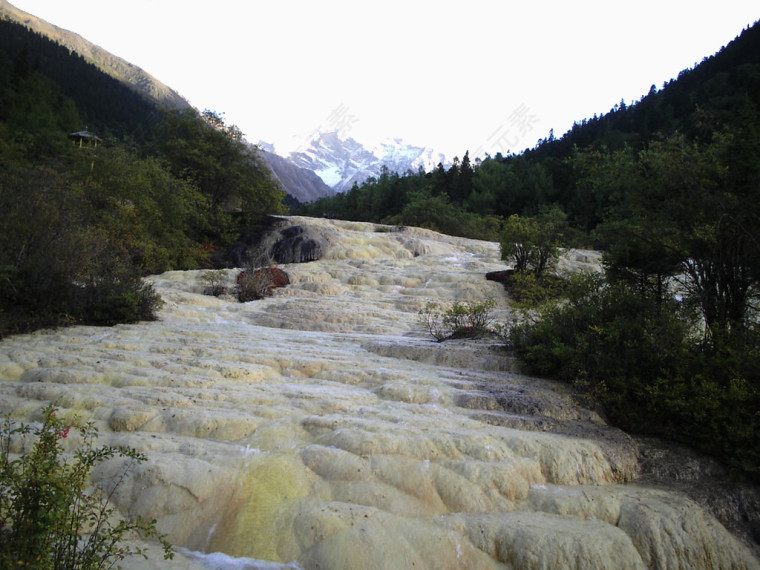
(323, 427)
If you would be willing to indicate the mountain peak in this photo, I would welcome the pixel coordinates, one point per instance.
(342, 162)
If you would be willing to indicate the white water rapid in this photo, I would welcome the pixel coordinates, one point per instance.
(324, 428)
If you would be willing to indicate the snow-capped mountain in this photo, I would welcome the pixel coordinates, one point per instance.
(400, 157)
(302, 184)
(342, 162)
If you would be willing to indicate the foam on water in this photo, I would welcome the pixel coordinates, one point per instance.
(221, 561)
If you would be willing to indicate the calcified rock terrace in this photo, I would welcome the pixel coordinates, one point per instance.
(323, 427)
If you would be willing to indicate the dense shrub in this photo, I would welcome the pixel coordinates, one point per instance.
(460, 320)
(126, 300)
(646, 367)
(527, 290)
(437, 213)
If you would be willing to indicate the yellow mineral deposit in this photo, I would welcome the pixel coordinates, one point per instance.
(324, 428)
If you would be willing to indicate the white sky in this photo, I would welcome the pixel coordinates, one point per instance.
(477, 75)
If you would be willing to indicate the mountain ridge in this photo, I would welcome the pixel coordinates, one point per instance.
(343, 162)
(118, 68)
(302, 184)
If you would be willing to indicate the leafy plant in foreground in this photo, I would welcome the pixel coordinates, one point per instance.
(50, 516)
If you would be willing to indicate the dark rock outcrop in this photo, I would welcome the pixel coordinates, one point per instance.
(243, 252)
(273, 241)
(500, 276)
(298, 244)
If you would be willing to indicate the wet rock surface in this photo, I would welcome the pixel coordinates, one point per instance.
(321, 428)
(298, 244)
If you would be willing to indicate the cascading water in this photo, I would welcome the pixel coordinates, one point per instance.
(322, 428)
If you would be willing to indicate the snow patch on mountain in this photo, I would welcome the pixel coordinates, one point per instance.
(302, 184)
(342, 162)
(331, 175)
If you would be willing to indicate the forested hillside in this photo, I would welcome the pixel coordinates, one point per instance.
(102, 103)
(80, 223)
(123, 71)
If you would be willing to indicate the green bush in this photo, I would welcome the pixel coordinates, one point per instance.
(460, 320)
(533, 243)
(609, 341)
(214, 282)
(527, 291)
(437, 213)
(38, 299)
(640, 361)
(127, 300)
(50, 516)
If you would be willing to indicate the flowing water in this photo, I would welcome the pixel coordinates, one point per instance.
(324, 428)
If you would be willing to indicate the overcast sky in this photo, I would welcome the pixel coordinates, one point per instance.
(479, 75)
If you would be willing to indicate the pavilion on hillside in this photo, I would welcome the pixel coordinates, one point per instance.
(85, 138)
